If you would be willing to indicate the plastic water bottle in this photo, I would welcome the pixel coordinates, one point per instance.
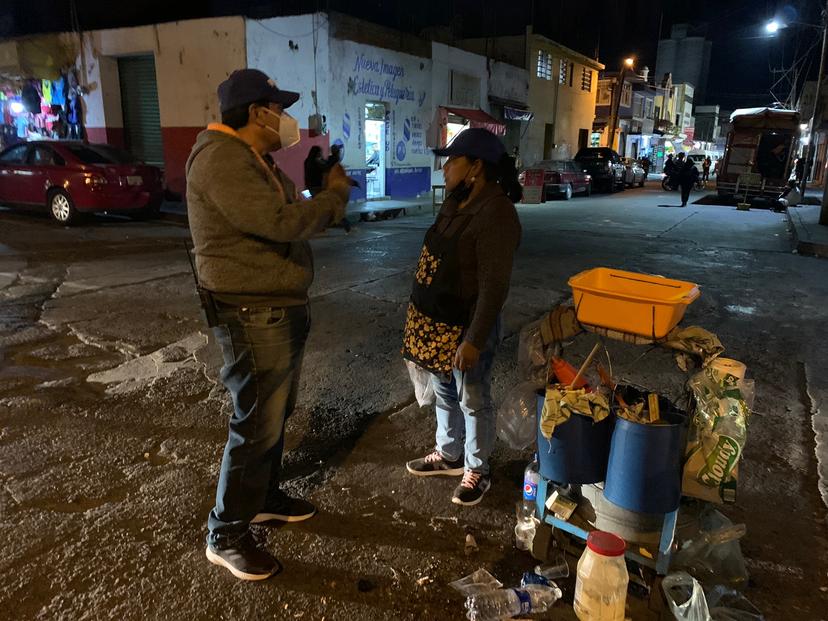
(531, 478)
(508, 603)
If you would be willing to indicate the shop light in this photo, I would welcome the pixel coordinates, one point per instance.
(16, 107)
(772, 26)
(803, 127)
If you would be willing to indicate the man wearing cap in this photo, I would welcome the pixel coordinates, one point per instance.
(254, 262)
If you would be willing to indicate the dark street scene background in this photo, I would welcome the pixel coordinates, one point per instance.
(662, 144)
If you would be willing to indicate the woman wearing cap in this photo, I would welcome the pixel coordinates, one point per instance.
(453, 322)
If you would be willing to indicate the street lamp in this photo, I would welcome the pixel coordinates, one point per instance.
(772, 26)
(629, 62)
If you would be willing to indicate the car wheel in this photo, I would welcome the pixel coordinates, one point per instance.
(61, 208)
(641, 183)
(567, 193)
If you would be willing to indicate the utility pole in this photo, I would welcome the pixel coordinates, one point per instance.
(823, 213)
(615, 104)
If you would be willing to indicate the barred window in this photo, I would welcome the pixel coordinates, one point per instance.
(562, 72)
(586, 80)
(544, 70)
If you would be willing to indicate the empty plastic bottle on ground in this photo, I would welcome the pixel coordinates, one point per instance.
(508, 603)
(601, 585)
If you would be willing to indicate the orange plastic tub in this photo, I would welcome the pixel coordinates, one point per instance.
(629, 302)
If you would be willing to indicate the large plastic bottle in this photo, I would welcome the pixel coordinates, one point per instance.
(601, 585)
(508, 603)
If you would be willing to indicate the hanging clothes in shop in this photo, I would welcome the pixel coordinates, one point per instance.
(74, 115)
(59, 92)
(46, 89)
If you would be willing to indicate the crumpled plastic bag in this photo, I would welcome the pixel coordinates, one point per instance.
(517, 418)
(714, 555)
(719, 429)
(421, 380)
(532, 354)
(560, 403)
(685, 597)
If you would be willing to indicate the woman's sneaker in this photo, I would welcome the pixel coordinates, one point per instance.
(434, 464)
(245, 558)
(471, 488)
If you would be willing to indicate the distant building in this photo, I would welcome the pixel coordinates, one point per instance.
(819, 137)
(563, 86)
(636, 114)
(686, 56)
(707, 123)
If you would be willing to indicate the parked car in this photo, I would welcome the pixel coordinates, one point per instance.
(634, 173)
(561, 178)
(604, 166)
(70, 178)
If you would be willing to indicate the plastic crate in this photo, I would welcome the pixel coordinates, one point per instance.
(629, 302)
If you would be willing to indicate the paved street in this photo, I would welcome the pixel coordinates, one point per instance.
(112, 425)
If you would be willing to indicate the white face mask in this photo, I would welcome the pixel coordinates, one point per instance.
(288, 131)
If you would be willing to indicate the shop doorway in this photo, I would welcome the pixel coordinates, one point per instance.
(139, 102)
(375, 150)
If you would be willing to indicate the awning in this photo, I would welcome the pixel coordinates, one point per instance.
(517, 114)
(478, 118)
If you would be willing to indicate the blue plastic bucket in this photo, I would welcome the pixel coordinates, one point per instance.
(578, 450)
(644, 469)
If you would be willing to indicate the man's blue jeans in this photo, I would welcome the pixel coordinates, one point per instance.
(262, 350)
(466, 417)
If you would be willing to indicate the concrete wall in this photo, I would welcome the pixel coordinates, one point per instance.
(508, 82)
(295, 52)
(191, 59)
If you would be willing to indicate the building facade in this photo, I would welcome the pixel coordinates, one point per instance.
(375, 92)
(686, 56)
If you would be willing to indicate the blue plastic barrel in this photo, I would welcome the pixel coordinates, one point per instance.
(578, 450)
(644, 469)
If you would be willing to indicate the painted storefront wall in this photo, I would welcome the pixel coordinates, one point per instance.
(363, 74)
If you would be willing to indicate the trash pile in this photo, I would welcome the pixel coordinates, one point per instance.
(615, 463)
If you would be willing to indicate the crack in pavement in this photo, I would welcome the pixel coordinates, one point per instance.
(92, 288)
(677, 224)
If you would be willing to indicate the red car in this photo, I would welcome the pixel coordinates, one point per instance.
(74, 177)
(562, 178)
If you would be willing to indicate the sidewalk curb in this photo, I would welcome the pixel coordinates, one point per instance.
(804, 245)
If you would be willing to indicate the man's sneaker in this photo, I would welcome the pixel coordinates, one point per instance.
(245, 559)
(287, 510)
(435, 464)
(471, 489)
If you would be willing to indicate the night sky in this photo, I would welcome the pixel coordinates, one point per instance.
(742, 67)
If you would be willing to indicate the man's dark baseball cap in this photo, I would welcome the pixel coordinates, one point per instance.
(476, 143)
(245, 86)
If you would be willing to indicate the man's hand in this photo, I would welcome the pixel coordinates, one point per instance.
(466, 357)
(337, 181)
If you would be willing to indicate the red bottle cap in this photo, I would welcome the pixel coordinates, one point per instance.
(606, 544)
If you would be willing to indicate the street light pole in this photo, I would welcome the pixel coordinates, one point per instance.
(615, 107)
(823, 213)
(809, 148)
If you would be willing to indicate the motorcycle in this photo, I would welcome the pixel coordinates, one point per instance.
(669, 183)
